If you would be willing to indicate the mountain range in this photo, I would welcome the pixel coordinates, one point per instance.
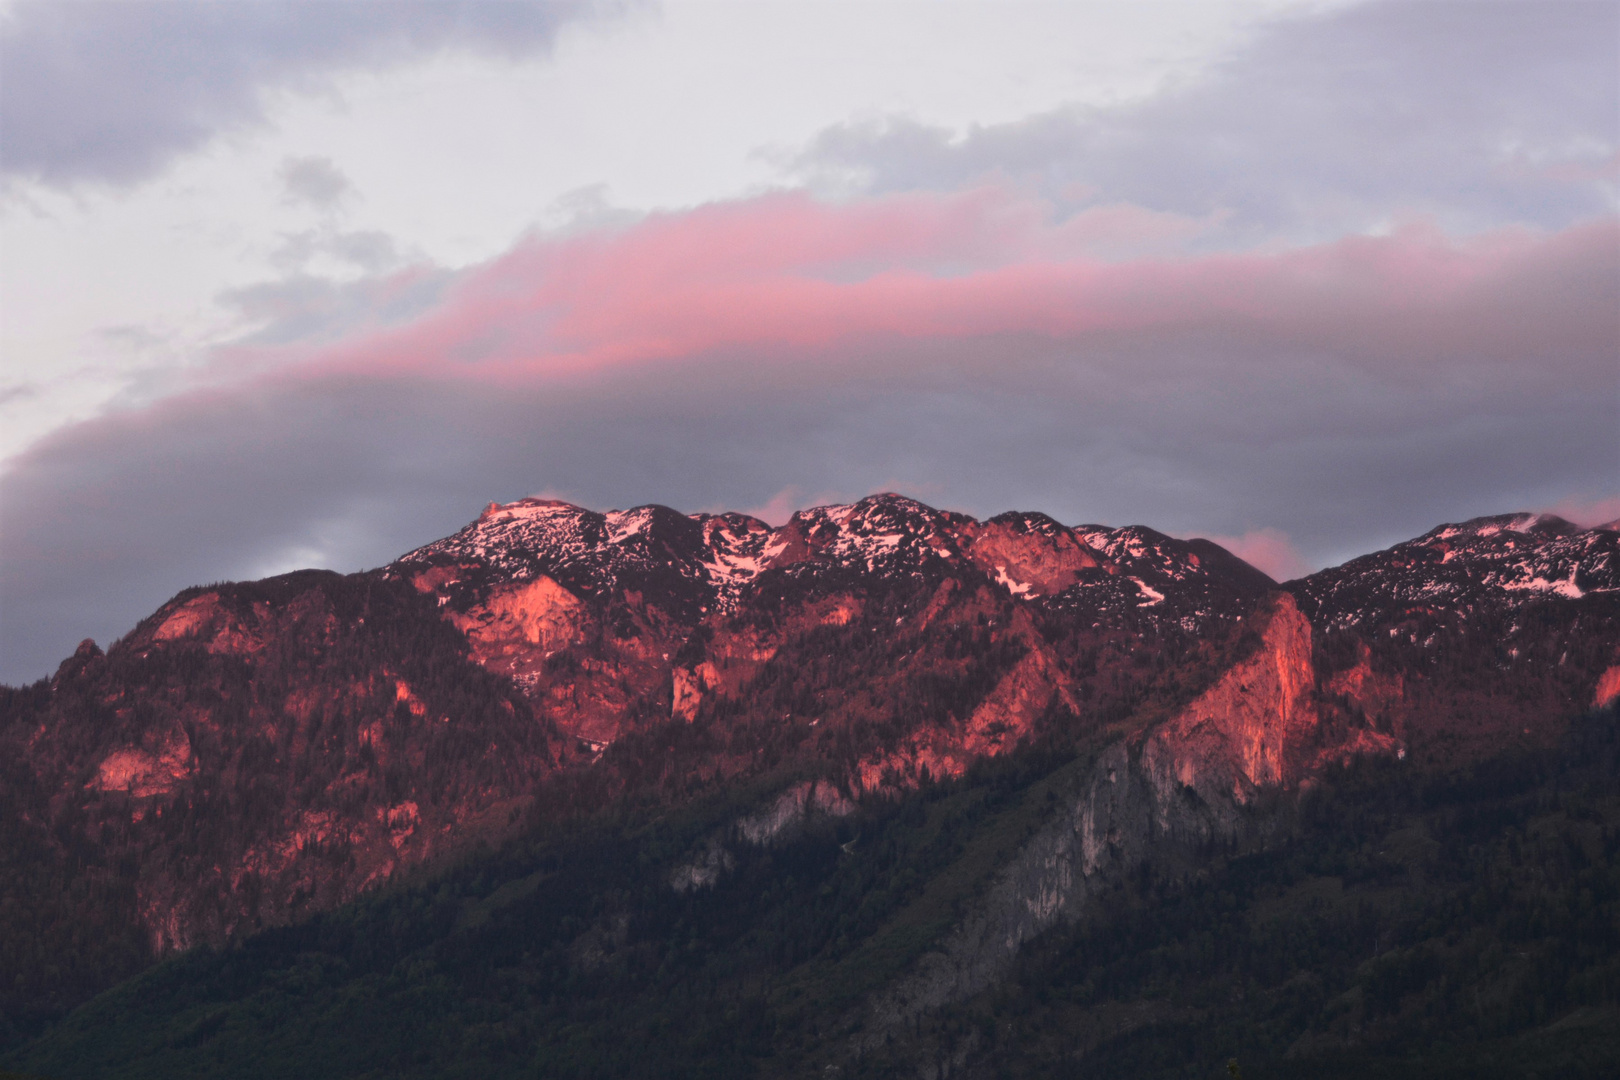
(915, 755)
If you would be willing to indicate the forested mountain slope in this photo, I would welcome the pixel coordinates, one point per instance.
(1394, 923)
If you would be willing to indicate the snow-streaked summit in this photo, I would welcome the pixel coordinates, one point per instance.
(709, 561)
(1501, 561)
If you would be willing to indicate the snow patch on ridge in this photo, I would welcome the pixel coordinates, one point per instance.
(1017, 588)
(1153, 595)
(624, 525)
(1565, 587)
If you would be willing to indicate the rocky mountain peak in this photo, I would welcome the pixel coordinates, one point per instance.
(885, 534)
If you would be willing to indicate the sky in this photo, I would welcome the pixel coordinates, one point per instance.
(290, 283)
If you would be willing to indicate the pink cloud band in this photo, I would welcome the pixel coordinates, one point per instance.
(785, 270)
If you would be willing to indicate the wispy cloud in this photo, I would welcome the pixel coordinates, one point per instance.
(1588, 511)
(1476, 114)
(1269, 550)
(314, 181)
(111, 92)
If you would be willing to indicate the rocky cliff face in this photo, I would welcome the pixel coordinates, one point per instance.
(1265, 722)
(1211, 777)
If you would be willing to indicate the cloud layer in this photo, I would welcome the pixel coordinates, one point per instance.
(111, 92)
(1471, 113)
(1355, 281)
(962, 348)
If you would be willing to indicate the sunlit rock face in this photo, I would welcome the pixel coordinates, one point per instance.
(608, 619)
(1608, 688)
(256, 753)
(252, 753)
(1251, 728)
(1262, 724)
(1030, 554)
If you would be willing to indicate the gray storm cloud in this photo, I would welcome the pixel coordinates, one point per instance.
(111, 92)
(1471, 113)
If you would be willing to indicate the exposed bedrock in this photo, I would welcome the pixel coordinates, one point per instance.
(1221, 775)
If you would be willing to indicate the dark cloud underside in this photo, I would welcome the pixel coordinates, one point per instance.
(106, 520)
